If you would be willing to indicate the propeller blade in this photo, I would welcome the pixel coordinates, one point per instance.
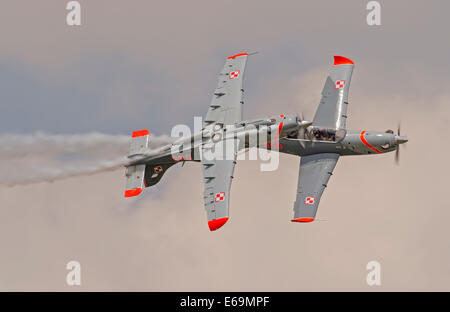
(397, 155)
(399, 140)
(303, 132)
(308, 134)
(302, 143)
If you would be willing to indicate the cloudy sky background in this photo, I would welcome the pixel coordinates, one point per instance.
(151, 64)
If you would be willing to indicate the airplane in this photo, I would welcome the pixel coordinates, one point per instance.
(223, 127)
(321, 144)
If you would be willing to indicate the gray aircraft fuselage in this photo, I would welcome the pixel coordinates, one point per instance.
(187, 148)
(355, 142)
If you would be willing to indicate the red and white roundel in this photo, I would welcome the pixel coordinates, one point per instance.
(158, 169)
(219, 197)
(235, 74)
(339, 84)
(310, 200)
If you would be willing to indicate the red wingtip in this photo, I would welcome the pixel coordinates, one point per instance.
(133, 192)
(280, 127)
(237, 55)
(217, 223)
(303, 220)
(140, 133)
(340, 60)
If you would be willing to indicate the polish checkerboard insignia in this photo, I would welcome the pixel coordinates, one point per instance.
(219, 197)
(310, 200)
(235, 74)
(158, 169)
(339, 84)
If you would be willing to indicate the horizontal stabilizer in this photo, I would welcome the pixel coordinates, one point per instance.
(135, 180)
(139, 142)
(135, 174)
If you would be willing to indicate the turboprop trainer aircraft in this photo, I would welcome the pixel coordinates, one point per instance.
(321, 144)
(223, 129)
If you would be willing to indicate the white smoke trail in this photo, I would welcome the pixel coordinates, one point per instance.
(44, 157)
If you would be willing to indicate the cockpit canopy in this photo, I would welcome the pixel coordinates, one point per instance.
(319, 134)
(327, 134)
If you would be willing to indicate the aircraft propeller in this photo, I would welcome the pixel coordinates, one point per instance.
(399, 140)
(302, 132)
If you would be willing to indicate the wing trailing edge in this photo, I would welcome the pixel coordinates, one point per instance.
(315, 172)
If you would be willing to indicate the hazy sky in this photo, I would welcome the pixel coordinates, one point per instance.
(152, 64)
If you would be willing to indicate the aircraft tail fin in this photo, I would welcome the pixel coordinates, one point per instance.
(154, 173)
(135, 174)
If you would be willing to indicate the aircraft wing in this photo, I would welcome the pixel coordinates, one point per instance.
(332, 110)
(226, 109)
(315, 171)
(217, 175)
(226, 104)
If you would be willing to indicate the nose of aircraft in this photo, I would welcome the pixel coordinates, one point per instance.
(302, 123)
(400, 139)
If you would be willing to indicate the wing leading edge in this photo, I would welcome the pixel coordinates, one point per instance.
(332, 110)
(226, 109)
(217, 175)
(315, 171)
(226, 104)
